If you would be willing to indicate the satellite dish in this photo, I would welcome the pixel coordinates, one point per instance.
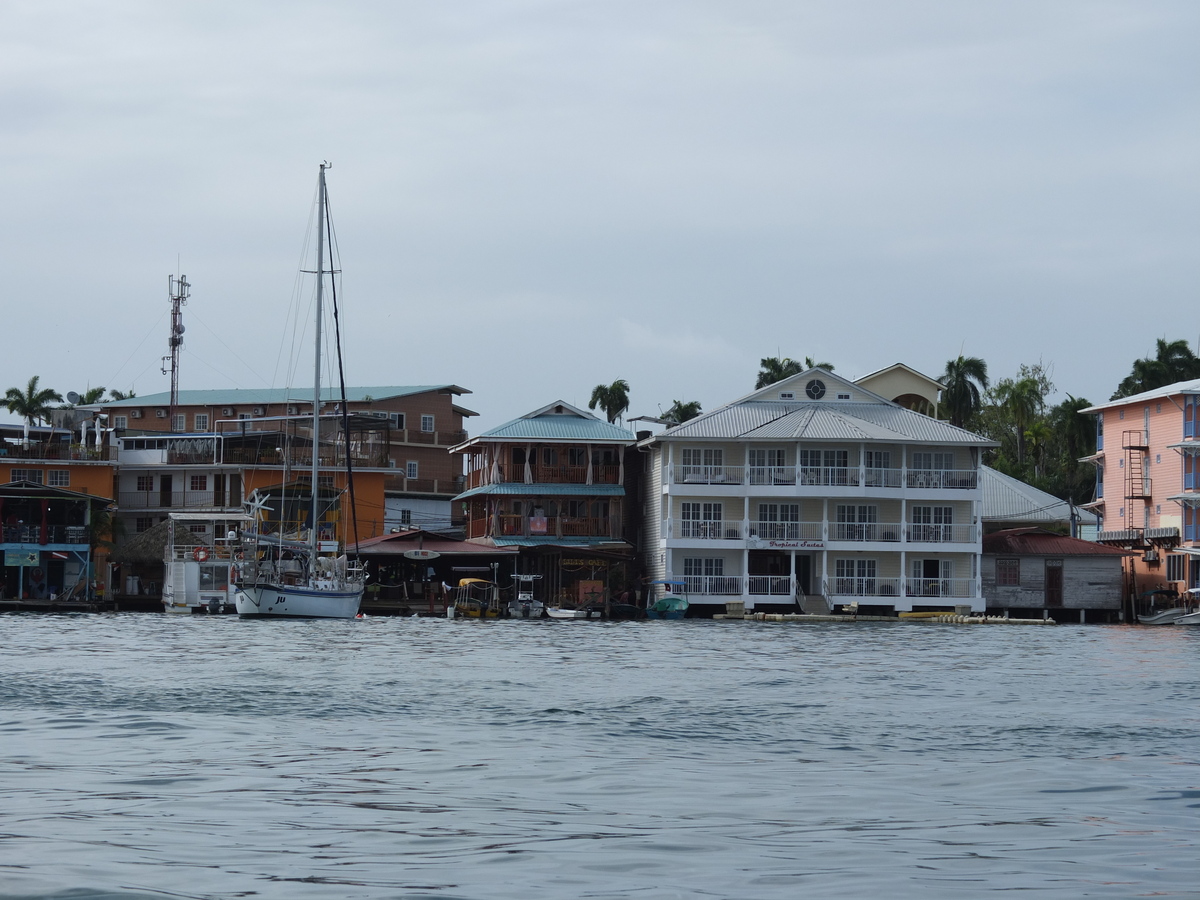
(72, 397)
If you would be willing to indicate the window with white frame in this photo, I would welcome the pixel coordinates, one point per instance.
(145, 482)
(702, 520)
(703, 464)
(857, 522)
(932, 523)
(699, 573)
(779, 521)
(932, 460)
(1008, 572)
(397, 420)
(33, 476)
(410, 469)
(767, 465)
(198, 528)
(142, 523)
(427, 424)
(60, 478)
(201, 420)
(179, 422)
(198, 483)
(930, 577)
(406, 518)
(855, 577)
(120, 422)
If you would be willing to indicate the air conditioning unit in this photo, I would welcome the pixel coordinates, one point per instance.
(260, 410)
(160, 414)
(227, 411)
(1151, 556)
(135, 414)
(293, 410)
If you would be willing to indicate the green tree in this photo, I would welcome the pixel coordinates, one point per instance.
(32, 403)
(774, 369)
(122, 395)
(1172, 361)
(963, 382)
(1023, 401)
(612, 398)
(681, 411)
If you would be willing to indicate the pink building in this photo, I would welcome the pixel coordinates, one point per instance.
(1148, 484)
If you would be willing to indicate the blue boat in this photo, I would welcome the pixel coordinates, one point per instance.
(672, 602)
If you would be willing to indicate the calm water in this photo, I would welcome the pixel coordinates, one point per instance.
(145, 756)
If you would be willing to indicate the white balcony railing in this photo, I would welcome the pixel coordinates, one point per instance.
(724, 585)
(863, 587)
(708, 530)
(865, 531)
(955, 479)
(772, 585)
(772, 474)
(957, 588)
(708, 474)
(786, 531)
(836, 476)
(888, 478)
(941, 534)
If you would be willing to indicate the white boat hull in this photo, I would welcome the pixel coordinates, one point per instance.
(1189, 619)
(294, 601)
(556, 612)
(1166, 617)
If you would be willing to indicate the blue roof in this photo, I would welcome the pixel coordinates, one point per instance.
(559, 421)
(545, 490)
(242, 396)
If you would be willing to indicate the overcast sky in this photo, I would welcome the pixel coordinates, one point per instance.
(533, 198)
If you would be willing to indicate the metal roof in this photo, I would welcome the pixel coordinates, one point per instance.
(1170, 390)
(1039, 542)
(262, 396)
(511, 489)
(1007, 499)
(559, 421)
(558, 541)
(822, 421)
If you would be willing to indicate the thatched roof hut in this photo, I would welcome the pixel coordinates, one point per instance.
(151, 545)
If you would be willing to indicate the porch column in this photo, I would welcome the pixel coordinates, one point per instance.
(589, 467)
(529, 463)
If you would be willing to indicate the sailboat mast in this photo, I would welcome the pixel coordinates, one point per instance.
(316, 426)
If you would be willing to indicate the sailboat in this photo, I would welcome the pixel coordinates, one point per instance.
(283, 576)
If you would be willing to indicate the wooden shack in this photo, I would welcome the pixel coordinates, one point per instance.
(1035, 572)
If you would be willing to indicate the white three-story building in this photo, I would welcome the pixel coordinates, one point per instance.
(815, 492)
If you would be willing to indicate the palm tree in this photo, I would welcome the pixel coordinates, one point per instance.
(1172, 361)
(33, 403)
(612, 398)
(91, 395)
(963, 381)
(1023, 401)
(809, 364)
(122, 395)
(680, 411)
(775, 369)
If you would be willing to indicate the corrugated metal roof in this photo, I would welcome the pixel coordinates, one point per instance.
(559, 541)
(509, 489)
(243, 396)
(1039, 542)
(1007, 499)
(1179, 387)
(822, 421)
(572, 424)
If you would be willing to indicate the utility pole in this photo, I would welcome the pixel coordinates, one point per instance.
(178, 290)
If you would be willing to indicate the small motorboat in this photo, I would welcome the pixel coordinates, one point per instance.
(1167, 615)
(672, 602)
(474, 598)
(1192, 618)
(524, 605)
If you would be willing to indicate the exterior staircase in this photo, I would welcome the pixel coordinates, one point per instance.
(814, 605)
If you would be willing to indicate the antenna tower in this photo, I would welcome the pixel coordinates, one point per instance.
(178, 289)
